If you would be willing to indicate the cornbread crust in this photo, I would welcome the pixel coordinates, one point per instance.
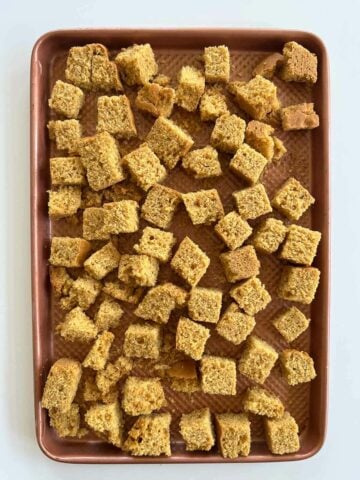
(301, 116)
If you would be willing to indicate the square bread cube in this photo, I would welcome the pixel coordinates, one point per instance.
(233, 434)
(84, 291)
(94, 224)
(107, 379)
(191, 86)
(233, 230)
(168, 141)
(291, 323)
(204, 304)
(109, 315)
(248, 164)
(98, 355)
(123, 292)
(68, 252)
(142, 396)
(66, 424)
(252, 202)
(292, 199)
(156, 243)
(235, 326)
(300, 245)
(269, 235)
(267, 67)
(217, 64)
(218, 375)
(299, 284)
(282, 434)
(299, 64)
(212, 105)
(104, 74)
(257, 359)
(145, 167)
(203, 206)
(139, 270)
(67, 171)
(115, 116)
(297, 366)
(89, 198)
(197, 430)
(121, 217)
(301, 116)
(65, 133)
(150, 436)
(64, 201)
(102, 262)
(190, 262)
(77, 327)
(142, 340)
(137, 64)
(202, 163)
(228, 133)
(251, 296)
(66, 99)
(240, 263)
(79, 62)
(191, 338)
(60, 280)
(259, 135)
(106, 421)
(160, 206)
(259, 401)
(156, 99)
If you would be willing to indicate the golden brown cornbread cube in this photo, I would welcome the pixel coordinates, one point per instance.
(212, 105)
(267, 67)
(299, 284)
(142, 340)
(191, 86)
(168, 141)
(137, 64)
(94, 224)
(299, 65)
(251, 296)
(77, 327)
(68, 252)
(107, 379)
(98, 354)
(125, 293)
(248, 164)
(184, 377)
(84, 291)
(252, 202)
(66, 99)
(240, 263)
(104, 74)
(89, 390)
(156, 243)
(259, 135)
(300, 245)
(160, 206)
(259, 401)
(190, 262)
(291, 323)
(60, 280)
(125, 190)
(235, 325)
(269, 235)
(102, 262)
(233, 434)
(292, 199)
(139, 270)
(297, 366)
(218, 375)
(67, 171)
(109, 314)
(156, 99)
(66, 424)
(197, 430)
(282, 434)
(301, 116)
(202, 163)
(233, 230)
(89, 198)
(203, 206)
(79, 63)
(150, 436)
(121, 217)
(64, 201)
(107, 422)
(217, 64)
(145, 167)
(257, 360)
(228, 133)
(279, 149)
(115, 116)
(142, 396)
(205, 304)
(191, 338)
(61, 385)
(65, 133)
(185, 385)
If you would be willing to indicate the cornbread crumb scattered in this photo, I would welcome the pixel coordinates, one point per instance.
(218, 375)
(99, 352)
(301, 116)
(190, 262)
(202, 163)
(269, 235)
(156, 243)
(139, 270)
(235, 325)
(197, 430)
(191, 86)
(156, 99)
(203, 206)
(66, 99)
(137, 64)
(228, 133)
(248, 164)
(102, 262)
(142, 340)
(68, 252)
(259, 401)
(300, 245)
(297, 366)
(267, 67)
(251, 296)
(64, 201)
(233, 230)
(217, 64)
(115, 116)
(212, 105)
(150, 436)
(240, 263)
(67, 171)
(66, 134)
(299, 284)
(191, 338)
(77, 327)
(257, 360)
(142, 396)
(291, 323)
(205, 304)
(121, 217)
(160, 206)
(107, 422)
(145, 167)
(282, 434)
(233, 434)
(109, 315)
(299, 65)
(252, 202)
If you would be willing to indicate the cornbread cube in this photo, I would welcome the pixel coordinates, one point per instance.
(191, 338)
(150, 436)
(115, 116)
(79, 63)
(197, 430)
(235, 326)
(259, 401)
(168, 141)
(68, 252)
(137, 64)
(301, 116)
(66, 424)
(160, 206)
(84, 291)
(94, 224)
(300, 245)
(98, 354)
(185, 385)
(292, 199)
(107, 422)
(123, 191)
(258, 97)
(89, 198)
(191, 86)
(190, 262)
(218, 375)
(64, 201)
(140, 270)
(233, 434)
(61, 385)
(217, 64)
(291, 323)
(156, 243)
(66, 99)
(60, 280)
(121, 217)
(299, 284)
(184, 376)
(67, 171)
(279, 149)
(156, 99)
(77, 327)
(145, 167)
(102, 262)
(142, 340)
(90, 391)
(141, 396)
(259, 136)
(65, 133)
(267, 67)
(252, 202)
(203, 206)
(202, 163)
(269, 235)
(101, 158)
(104, 74)
(107, 379)
(212, 105)
(257, 360)
(299, 65)
(108, 316)
(228, 133)
(251, 296)
(233, 230)
(125, 293)
(282, 434)
(205, 304)
(248, 164)
(240, 263)
(297, 366)
(160, 301)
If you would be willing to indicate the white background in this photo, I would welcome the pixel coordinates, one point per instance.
(21, 23)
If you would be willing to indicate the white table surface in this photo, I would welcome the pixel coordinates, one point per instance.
(21, 23)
